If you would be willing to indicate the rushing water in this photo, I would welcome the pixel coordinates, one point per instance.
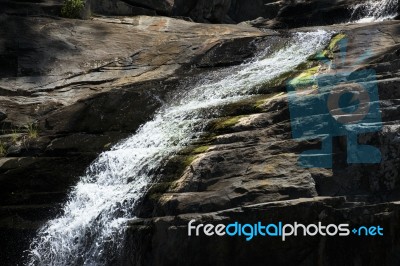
(374, 10)
(105, 197)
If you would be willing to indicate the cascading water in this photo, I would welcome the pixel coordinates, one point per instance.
(374, 10)
(104, 199)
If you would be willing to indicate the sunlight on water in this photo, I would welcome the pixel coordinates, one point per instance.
(92, 220)
(374, 11)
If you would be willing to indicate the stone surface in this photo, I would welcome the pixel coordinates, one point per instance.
(272, 13)
(70, 89)
(252, 164)
(165, 240)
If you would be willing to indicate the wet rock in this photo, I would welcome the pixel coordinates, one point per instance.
(251, 163)
(73, 88)
(78, 88)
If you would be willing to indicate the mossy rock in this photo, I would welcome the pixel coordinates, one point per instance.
(224, 124)
(306, 79)
(301, 76)
(172, 171)
(158, 189)
(328, 52)
(278, 84)
(3, 150)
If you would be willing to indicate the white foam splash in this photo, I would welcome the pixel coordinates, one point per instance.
(374, 11)
(105, 197)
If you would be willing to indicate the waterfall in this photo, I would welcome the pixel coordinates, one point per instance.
(374, 10)
(93, 218)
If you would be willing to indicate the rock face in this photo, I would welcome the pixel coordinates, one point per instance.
(311, 13)
(69, 89)
(282, 14)
(204, 11)
(165, 241)
(252, 162)
(265, 13)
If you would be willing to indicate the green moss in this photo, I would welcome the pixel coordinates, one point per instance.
(280, 81)
(3, 150)
(328, 52)
(188, 161)
(158, 189)
(201, 149)
(225, 123)
(301, 76)
(242, 107)
(260, 102)
(72, 8)
(174, 170)
(228, 122)
(305, 79)
(335, 40)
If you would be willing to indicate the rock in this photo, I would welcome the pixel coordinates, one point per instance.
(2, 116)
(86, 11)
(233, 52)
(162, 7)
(214, 11)
(198, 10)
(31, 8)
(276, 14)
(119, 8)
(302, 13)
(73, 88)
(45, 79)
(252, 162)
(156, 241)
(242, 10)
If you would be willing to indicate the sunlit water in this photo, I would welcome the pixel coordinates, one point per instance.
(374, 11)
(93, 219)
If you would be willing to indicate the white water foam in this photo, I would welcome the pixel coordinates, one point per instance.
(93, 218)
(374, 11)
